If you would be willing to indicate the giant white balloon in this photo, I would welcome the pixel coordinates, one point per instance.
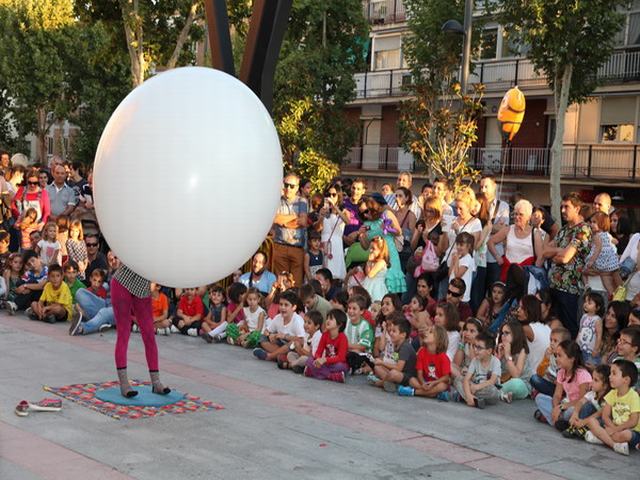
(187, 177)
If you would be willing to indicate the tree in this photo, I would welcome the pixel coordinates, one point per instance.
(440, 127)
(568, 40)
(438, 123)
(37, 40)
(323, 49)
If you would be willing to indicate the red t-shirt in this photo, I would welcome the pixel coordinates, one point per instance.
(159, 305)
(369, 318)
(191, 307)
(100, 291)
(433, 365)
(333, 349)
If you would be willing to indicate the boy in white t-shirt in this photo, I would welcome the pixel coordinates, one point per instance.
(461, 262)
(286, 327)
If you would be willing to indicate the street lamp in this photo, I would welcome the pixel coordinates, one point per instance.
(453, 26)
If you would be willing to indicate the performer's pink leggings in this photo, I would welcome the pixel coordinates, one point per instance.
(124, 303)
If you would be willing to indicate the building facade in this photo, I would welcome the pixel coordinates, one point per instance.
(601, 139)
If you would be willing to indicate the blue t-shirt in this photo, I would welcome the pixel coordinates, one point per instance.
(267, 279)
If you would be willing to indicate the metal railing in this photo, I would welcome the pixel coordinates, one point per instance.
(622, 66)
(596, 161)
(380, 12)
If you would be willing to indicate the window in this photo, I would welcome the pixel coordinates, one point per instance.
(387, 55)
(489, 44)
(633, 37)
(617, 133)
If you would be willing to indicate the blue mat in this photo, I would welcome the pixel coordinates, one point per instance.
(145, 397)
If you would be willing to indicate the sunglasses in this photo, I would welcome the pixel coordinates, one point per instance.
(91, 244)
(33, 183)
(454, 294)
(327, 195)
(290, 185)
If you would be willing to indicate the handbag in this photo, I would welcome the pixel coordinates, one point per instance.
(429, 261)
(327, 245)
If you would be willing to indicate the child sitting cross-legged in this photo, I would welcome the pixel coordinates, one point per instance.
(188, 319)
(55, 302)
(466, 352)
(479, 388)
(544, 381)
(619, 425)
(285, 327)
(302, 350)
(433, 367)
(215, 321)
(572, 383)
(160, 310)
(392, 375)
(590, 404)
(359, 332)
(330, 360)
(253, 325)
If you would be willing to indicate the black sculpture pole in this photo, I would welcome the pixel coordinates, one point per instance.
(266, 32)
(219, 35)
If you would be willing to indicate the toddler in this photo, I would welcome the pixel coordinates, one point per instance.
(590, 333)
(301, 351)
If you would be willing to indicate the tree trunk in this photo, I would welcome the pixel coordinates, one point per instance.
(183, 36)
(41, 136)
(135, 44)
(561, 100)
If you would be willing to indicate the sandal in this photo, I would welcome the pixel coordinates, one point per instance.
(539, 416)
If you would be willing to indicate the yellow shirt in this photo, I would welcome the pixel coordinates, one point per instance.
(62, 296)
(622, 407)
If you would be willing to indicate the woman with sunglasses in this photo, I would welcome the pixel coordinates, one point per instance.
(33, 196)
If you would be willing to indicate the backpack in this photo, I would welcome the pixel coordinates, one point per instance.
(429, 262)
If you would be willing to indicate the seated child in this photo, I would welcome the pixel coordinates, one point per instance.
(478, 388)
(12, 278)
(628, 348)
(544, 381)
(160, 309)
(330, 360)
(390, 308)
(96, 283)
(391, 375)
(359, 333)
(465, 353)
(71, 278)
(188, 319)
(253, 326)
(33, 281)
(424, 285)
(433, 367)
(215, 321)
(301, 351)
(447, 316)
(312, 301)
(55, 302)
(590, 404)
(286, 327)
(236, 294)
(571, 386)
(619, 425)
(418, 317)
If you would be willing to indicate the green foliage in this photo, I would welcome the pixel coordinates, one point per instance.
(38, 41)
(434, 55)
(565, 32)
(322, 51)
(439, 127)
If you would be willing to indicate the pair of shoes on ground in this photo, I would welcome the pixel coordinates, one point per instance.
(621, 448)
(163, 331)
(45, 405)
(9, 306)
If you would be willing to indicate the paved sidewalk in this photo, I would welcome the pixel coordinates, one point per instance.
(275, 424)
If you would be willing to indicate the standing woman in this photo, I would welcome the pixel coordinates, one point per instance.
(407, 220)
(382, 222)
(333, 219)
(523, 245)
(481, 212)
(129, 291)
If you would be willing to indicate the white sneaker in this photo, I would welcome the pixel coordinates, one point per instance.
(174, 329)
(622, 448)
(166, 331)
(192, 332)
(135, 328)
(11, 307)
(589, 437)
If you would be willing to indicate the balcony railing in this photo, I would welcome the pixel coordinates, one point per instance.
(622, 66)
(380, 12)
(599, 161)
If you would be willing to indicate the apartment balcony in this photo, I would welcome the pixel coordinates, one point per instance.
(497, 75)
(602, 162)
(384, 12)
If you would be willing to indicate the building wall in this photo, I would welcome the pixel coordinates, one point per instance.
(389, 130)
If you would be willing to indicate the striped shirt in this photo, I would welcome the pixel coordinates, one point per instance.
(137, 286)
